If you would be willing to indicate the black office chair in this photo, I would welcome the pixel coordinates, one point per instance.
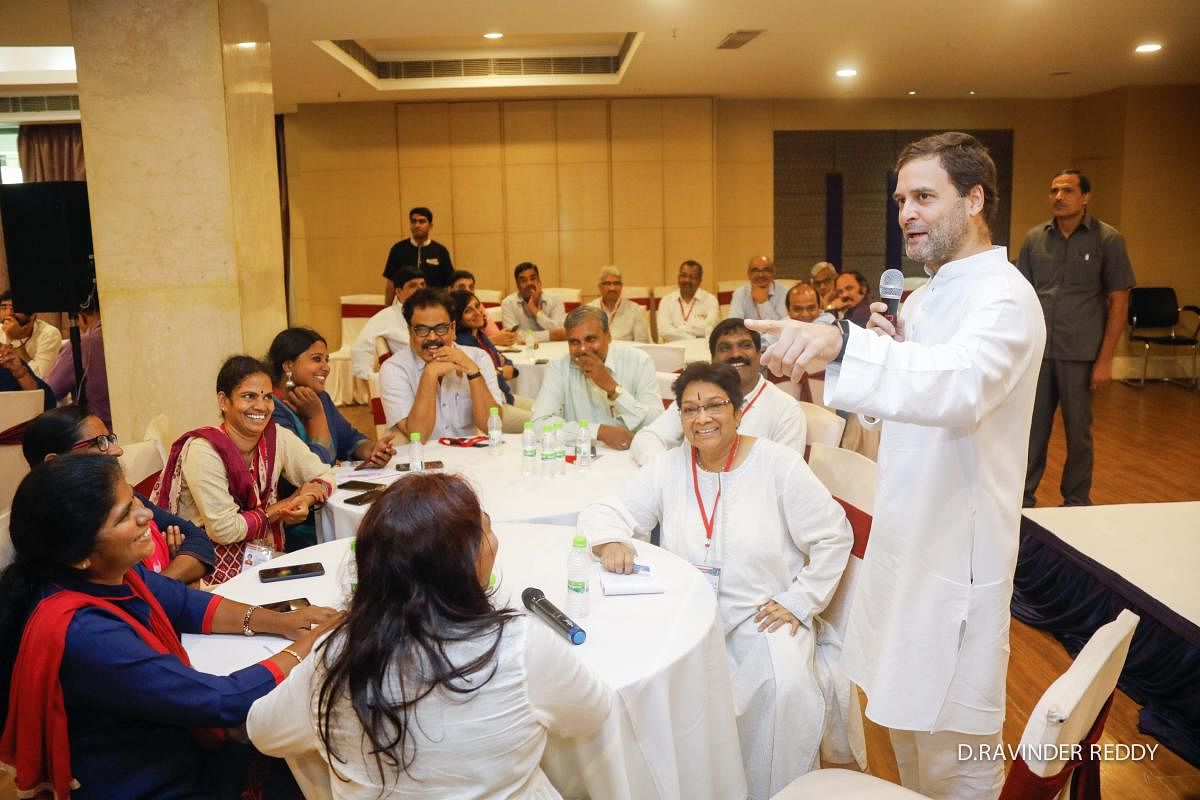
(1157, 308)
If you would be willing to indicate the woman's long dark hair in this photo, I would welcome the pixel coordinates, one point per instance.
(57, 511)
(459, 299)
(288, 345)
(418, 591)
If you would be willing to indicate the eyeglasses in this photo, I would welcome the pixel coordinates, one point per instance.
(101, 442)
(424, 330)
(611, 283)
(711, 409)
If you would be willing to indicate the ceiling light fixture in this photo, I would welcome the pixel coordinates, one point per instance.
(972, 92)
(846, 73)
(493, 35)
(1148, 47)
(911, 92)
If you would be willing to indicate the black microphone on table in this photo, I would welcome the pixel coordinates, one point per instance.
(891, 288)
(535, 600)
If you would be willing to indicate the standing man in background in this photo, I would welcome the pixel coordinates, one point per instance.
(953, 381)
(430, 257)
(1080, 269)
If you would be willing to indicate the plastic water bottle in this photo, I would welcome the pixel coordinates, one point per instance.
(548, 449)
(529, 450)
(495, 431)
(583, 446)
(531, 343)
(578, 570)
(415, 461)
(560, 450)
(352, 565)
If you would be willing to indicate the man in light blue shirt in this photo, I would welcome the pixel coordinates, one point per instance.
(614, 388)
(763, 297)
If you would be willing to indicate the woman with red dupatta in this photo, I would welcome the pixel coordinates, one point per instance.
(102, 701)
(226, 478)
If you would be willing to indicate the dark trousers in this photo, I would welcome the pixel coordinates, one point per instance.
(1064, 383)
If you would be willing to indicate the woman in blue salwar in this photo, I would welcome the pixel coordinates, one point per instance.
(102, 700)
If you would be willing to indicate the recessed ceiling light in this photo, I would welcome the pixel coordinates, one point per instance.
(493, 35)
(912, 91)
(1148, 47)
(846, 73)
(972, 92)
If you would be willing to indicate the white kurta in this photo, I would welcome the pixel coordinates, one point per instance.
(775, 415)
(487, 744)
(780, 536)
(679, 320)
(927, 638)
(628, 322)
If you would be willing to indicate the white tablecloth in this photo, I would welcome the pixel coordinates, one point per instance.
(529, 381)
(503, 491)
(672, 733)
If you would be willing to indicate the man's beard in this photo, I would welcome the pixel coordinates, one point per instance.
(944, 239)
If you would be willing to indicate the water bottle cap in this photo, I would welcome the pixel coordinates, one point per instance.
(528, 426)
(354, 543)
(579, 541)
(583, 423)
(414, 437)
(493, 411)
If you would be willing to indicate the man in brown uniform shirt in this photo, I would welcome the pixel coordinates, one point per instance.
(1082, 275)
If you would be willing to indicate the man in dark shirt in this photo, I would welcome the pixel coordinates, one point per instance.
(432, 258)
(1081, 271)
(853, 298)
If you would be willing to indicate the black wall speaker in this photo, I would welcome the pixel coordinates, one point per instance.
(48, 242)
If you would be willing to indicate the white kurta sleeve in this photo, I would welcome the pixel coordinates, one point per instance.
(640, 403)
(819, 529)
(955, 384)
(362, 352)
(741, 305)
(663, 434)
(551, 399)
(632, 513)
(564, 693)
(301, 464)
(641, 326)
(207, 481)
(395, 391)
(280, 723)
(791, 427)
(510, 314)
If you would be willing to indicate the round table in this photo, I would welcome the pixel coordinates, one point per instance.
(529, 381)
(506, 494)
(672, 732)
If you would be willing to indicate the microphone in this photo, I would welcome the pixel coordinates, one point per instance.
(891, 287)
(535, 600)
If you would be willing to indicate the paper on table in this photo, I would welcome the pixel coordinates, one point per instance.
(615, 584)
(346, 472)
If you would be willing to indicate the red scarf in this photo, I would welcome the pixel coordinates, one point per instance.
(36, 744)
(252, 488)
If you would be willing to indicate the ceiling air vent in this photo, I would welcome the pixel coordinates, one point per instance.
(39, 104)
(482, 67)
(739, 39)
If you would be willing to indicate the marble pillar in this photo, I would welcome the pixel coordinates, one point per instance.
(178, 132)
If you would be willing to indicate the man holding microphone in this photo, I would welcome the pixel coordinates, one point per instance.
(953, 382)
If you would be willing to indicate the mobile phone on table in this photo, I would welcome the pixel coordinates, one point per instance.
(272, 574)
(404, 466)
(284, 606)
(364, 499)
(542, 361)
(361, 486)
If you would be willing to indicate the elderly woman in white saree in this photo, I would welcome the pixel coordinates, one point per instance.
(751, 515)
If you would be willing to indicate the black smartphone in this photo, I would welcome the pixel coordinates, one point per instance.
(366, 498)
(542, 361)
(284, 606)
(404, 466)
(361, 486)
(272, 574)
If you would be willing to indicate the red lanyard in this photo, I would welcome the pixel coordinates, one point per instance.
(750, 405)
(687, 313)
(708, 521)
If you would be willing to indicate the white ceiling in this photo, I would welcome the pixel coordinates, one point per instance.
(997, 48)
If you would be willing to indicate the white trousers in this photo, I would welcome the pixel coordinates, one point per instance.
(930, 764)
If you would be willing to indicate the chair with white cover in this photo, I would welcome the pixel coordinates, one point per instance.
(657, 293)
(665, 381)
(725, 290)
(6, 547)
(377, 406)
(142, 464)
(666, 357)
(824, 426)
(488, 297)
(571, 298)
(1071, 712)
(16, 409)
(341, 384)
(159, 431)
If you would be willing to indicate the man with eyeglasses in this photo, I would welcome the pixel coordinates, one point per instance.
(768, 412)
(627, 320)
(824, 280)
(763, 297)
(434, 387)
(35, 341)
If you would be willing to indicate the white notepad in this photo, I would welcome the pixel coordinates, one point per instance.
(614, 584)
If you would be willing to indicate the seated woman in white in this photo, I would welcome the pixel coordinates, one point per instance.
(753, 517)
(426, 689)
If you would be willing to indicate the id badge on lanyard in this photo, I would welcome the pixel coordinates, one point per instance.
(710, 568)
(257, 554)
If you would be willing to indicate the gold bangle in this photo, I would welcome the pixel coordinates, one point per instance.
(246, 629)
(293, 654)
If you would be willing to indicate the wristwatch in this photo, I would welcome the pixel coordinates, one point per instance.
(473, 376)
(844, 324)
(615, 393)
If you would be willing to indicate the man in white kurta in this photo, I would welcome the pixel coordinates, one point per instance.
(689, 312)
(778, 536)
(627, 321)
(388, 324)
(927, 638)
(768, 412)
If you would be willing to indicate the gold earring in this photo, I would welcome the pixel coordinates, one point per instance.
(289, 383)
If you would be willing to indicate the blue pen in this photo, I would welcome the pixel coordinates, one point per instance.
(641, 568)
